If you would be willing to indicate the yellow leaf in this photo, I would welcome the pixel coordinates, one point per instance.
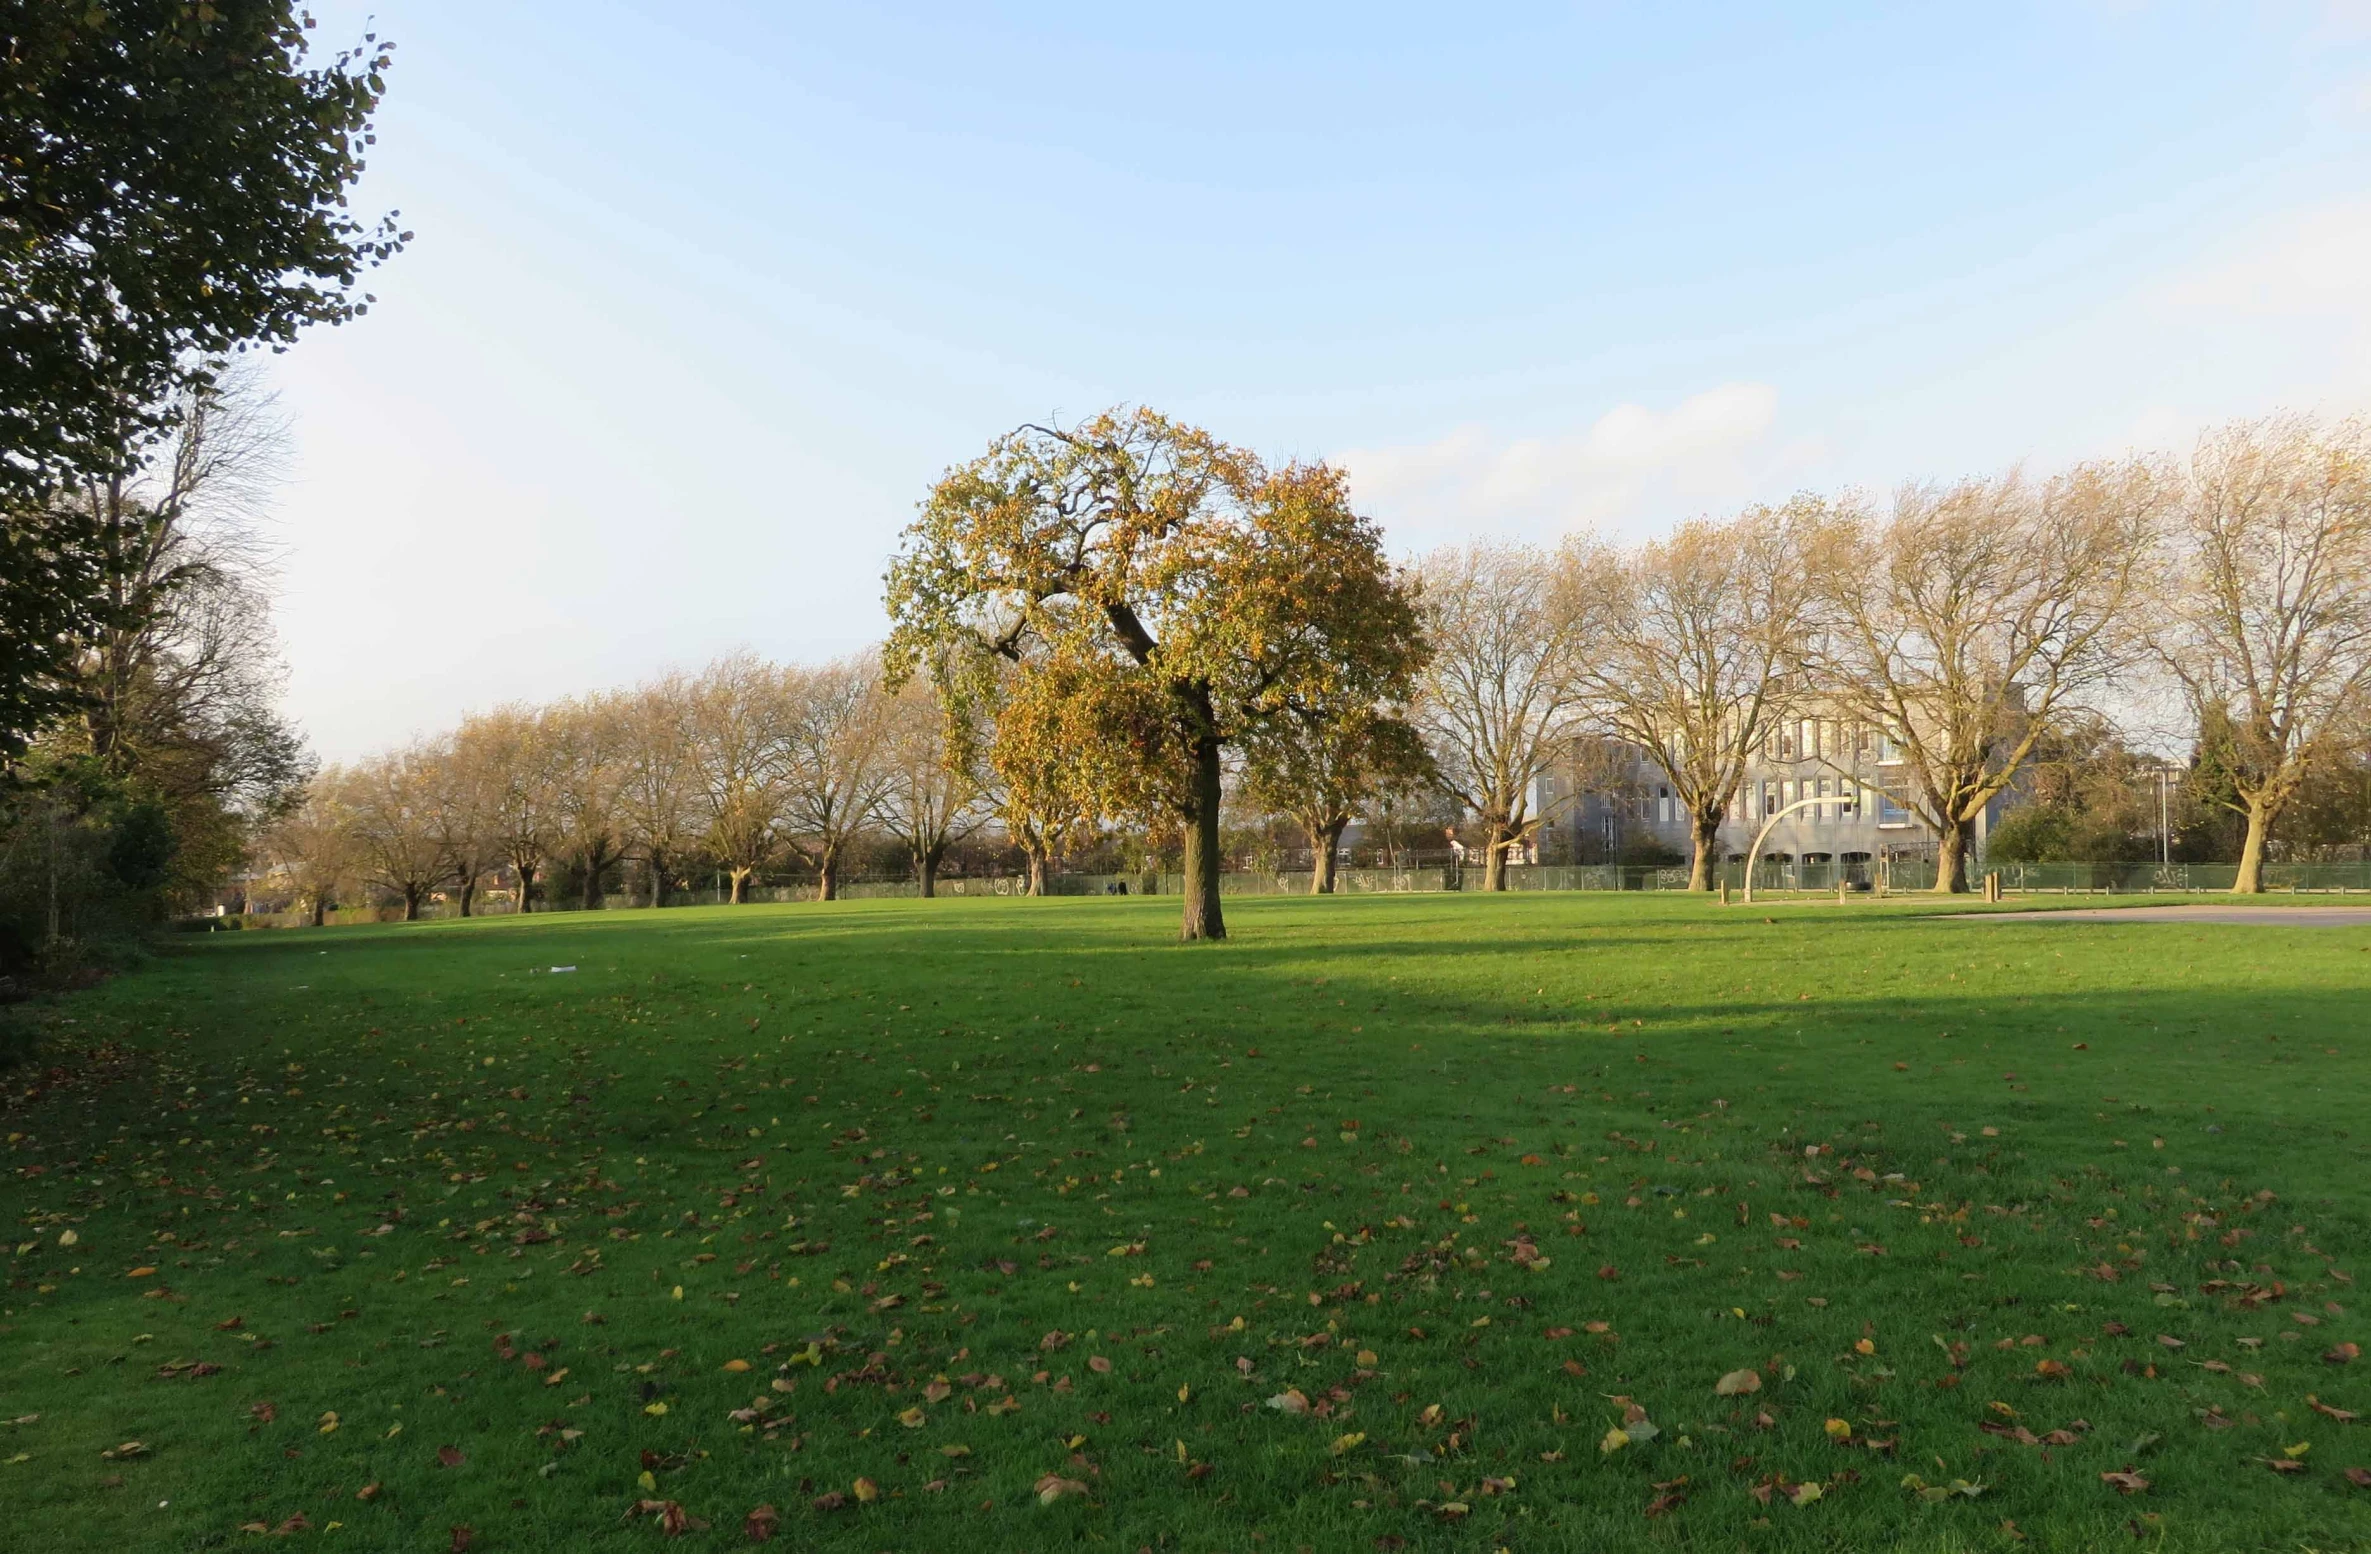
(1838, 1429)
(1350, 1442)
(1366, 1359)
(648, 1481)
(2298, 1450)
(1615, 1439)
(866, 1490)
(329, 1421)
(913, 1419)
(736, 1365)
(1804, 1494)
(655, 1410)
(1865, 1346)
(556, 1377)
(1184, 1392)
(678, 1295)
(954, 1449)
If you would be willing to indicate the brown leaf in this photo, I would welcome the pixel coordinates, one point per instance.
(2343, 1354)
(2171, 1342)
(1053, 1486)
(2342, 1415)
(262, 1413)
(449, 1457)
(2124, 1483)
(1099, 1365)
(1738, 1382)
(463, 1537)
(368, 1492)
(830, 1500)
(2052, 1370)
(758, 1525)
(2359, 1477)
(2282, 1464)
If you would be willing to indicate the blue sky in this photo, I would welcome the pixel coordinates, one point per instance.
(703, 297)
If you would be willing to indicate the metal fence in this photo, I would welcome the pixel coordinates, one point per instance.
(1893, 876)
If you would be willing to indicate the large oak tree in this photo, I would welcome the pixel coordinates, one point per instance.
(1188, 592)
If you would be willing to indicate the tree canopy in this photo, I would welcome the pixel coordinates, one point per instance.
(1182, 590)
(173, 188)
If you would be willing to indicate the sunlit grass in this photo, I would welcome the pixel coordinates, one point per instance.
(1369, 1224)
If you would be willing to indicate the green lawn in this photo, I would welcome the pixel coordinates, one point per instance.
(1362, 1230)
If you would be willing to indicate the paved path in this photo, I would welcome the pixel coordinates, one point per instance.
(2275, 916)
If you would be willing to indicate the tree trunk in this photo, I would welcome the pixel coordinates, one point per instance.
(926, 868)
(411, 903)
(1037, 870)
(827, 873)
(740, 894)
(468, 892)
(658, 880)
(1708, 851)
(1325, 845)
(320, 907)
(1494, 862)
(596, 862)
(1951, 860)
(1203, 919)
(2250, 879)
(526, 873)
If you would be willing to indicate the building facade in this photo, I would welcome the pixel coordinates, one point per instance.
(1610, 803)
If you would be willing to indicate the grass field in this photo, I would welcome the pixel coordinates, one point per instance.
(1425, 1223)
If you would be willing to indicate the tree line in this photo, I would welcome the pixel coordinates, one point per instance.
(1130, 625)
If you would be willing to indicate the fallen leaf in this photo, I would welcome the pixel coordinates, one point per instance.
(1054, 1486)
(1290, 1401)
(2124, 1483)
(449, 1457)
(463, 1536)
(1738, 1382)
(913, 1419)
(866, 1491)
(758, 1525)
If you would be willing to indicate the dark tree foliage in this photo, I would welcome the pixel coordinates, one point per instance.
(173, 184)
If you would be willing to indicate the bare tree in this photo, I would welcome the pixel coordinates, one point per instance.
(1696, 648)
(312, 845)
(658, 772)
(509, 750)
(931, 792)
(834, 774)
(1976, 614)
(463, 816)
(390, 802)
(1503, 686)
(738, 717)
(2268, 627)
(586, 736)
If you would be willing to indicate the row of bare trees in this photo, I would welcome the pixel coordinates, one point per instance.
(1961, 623)
(741, 767)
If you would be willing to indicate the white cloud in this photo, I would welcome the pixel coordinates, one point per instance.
(1633, 468)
